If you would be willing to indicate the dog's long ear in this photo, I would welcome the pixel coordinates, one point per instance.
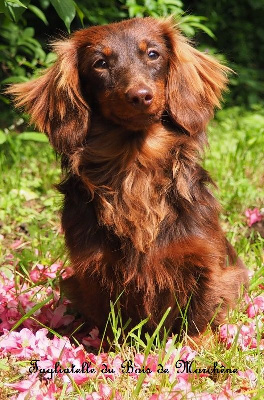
(195, 82)
(54, 100)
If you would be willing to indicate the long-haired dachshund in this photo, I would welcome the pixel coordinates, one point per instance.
(127, 105)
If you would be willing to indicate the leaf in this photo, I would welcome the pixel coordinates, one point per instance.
(15, 3)
(204, 28)
(51, 58)
(28, 33)
(65, 10)
(187, 29)
(35, 136)
(40, 14)
(14, 79)
(79, 13)
(13, 9)
(2, 137)
(176, 3)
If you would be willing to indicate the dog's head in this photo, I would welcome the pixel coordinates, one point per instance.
(123, 71)
(129, 73)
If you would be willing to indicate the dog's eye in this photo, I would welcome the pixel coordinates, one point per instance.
(153, 54)
(100, 64)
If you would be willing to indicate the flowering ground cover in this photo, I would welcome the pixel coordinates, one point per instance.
(46, 351)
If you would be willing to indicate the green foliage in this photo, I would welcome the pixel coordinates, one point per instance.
(238, 26)
(14, 9)
(163, 8)
(98, 12)
(21, 53)
(2, 137)
(236, 147)
(66, 11)
(28, 202)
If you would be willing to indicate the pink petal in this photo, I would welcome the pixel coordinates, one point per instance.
(67, 273)
(24, 385)
(253, 216)
(16, 244)
(57, 316)
(252, 310)
(92, 340)
(105, 390)
(187, 354)
(21, 386)
(259, 301)
(249, 374)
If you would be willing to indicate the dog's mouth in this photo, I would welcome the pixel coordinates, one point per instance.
(138, 121)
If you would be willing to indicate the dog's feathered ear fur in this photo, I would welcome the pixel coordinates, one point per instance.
(54, 100)
(195, 82)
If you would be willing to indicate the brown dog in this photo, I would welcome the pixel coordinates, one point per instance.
(126, 105)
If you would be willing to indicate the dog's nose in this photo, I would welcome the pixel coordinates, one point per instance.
(140, 97)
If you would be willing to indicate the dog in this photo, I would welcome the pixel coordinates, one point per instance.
(126, 105)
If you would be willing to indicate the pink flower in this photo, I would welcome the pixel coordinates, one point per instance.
(228, 394)
(183, 385)
(33, 388)
(93, 339)
(60, 350)
(48, 393)
(22, 386)
(57, 318)
(40, 273)
(42, 342)
(168, 345)
(117, 363)
(151, 365)
(227, 334)
(16, 244)
(248, 375)
(256, 306)
(67, 273)
(20, 344)
(201, 396)
(253, 216)
(36, 273)
(93, 396)
(187, 354)
(13, 304)
(26, 387)
(105, 391)
(245, 336)
(54, 269)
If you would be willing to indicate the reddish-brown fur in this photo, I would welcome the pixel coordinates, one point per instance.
(138, 215)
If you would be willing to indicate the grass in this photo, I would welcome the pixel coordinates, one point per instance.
(30, 232)
(29, 204)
